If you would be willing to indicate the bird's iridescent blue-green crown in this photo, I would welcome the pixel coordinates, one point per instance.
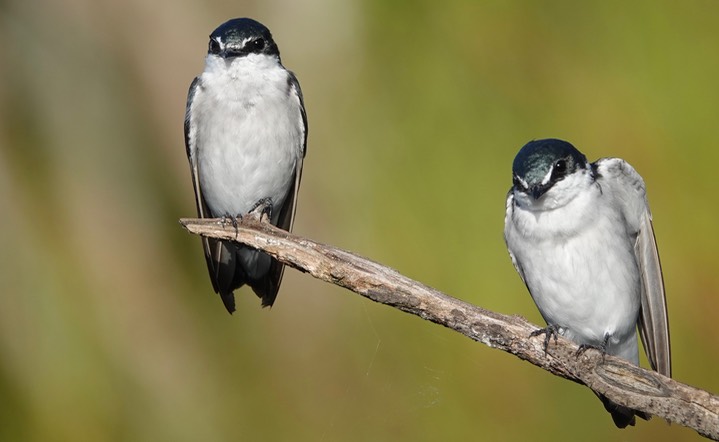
(537, 157)
(242, 36)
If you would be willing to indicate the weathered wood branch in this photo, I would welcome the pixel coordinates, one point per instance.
(620, 381)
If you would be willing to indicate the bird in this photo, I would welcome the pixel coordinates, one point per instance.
(246, 138)
(580, 235)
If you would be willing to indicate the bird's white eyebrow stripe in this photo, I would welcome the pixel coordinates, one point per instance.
(219, 41)
(522, 182)
(548, 176)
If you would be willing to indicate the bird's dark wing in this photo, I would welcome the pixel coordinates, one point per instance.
(619, 177)
(287, 212)
(216, 252)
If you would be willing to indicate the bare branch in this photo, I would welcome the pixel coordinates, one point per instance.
(618, 380)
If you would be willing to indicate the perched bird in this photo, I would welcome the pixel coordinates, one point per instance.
(246, 136)
(580, 235)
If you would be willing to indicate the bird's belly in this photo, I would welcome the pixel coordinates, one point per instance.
(587, 283)
(245, 156)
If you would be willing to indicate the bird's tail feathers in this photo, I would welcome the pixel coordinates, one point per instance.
(621, 415)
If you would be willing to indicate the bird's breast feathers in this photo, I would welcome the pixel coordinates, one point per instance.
(250, 138)
(577, 263)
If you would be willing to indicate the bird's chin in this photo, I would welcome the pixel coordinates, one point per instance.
(528, 202)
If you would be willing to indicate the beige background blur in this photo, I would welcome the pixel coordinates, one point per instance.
(109, 329)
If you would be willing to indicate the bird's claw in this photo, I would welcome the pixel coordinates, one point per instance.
(231, 220)
(262, 210)
(602, 348)
(548, 331)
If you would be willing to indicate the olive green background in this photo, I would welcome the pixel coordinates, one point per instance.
(109, 330)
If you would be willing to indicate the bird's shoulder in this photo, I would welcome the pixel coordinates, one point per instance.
(189, 124)
(616, 172)
(295, 91)
(621, 184)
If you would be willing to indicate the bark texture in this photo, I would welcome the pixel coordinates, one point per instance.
(620, 381)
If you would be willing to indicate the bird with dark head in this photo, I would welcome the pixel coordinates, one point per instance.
(580, 235)
(246, 137)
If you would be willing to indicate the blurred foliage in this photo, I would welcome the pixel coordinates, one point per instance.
(108, 327)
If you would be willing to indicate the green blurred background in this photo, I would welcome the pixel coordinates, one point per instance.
(109, 329)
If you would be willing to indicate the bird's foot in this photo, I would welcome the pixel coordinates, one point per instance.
(231, 220)
(602, 348)
(548, 331)
(262, 210)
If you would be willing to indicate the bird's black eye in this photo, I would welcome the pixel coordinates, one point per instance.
(257, 45)
(214, 47)
(516, 182)
(560, 167)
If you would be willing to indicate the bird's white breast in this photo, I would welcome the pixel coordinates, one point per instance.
(578, 263)
(249, 133)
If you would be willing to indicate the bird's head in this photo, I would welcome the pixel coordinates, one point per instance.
(547, 168)
(241, 37)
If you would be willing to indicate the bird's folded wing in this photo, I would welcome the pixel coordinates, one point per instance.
(618, 177)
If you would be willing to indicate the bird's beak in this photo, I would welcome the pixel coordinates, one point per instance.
(537, 191)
